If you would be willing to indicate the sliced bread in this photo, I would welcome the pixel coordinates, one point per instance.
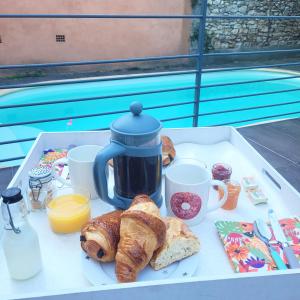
(180, 243)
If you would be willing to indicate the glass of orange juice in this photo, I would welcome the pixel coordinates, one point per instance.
(68, 211)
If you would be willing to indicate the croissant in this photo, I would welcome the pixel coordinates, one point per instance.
(142, 231)
(168, 150)
(100, 236)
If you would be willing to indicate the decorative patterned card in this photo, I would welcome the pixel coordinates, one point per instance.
(50, 156)
(247, 253)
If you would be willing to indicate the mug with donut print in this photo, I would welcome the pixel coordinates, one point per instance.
(187, 192)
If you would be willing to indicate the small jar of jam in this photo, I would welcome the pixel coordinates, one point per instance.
(41, 187)
(221, 171)
(234, 189)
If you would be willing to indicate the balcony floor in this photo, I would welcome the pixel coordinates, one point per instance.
(278, 142)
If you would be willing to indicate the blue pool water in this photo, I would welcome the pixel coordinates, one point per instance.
(81, 90)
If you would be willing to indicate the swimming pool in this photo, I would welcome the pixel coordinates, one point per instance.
(71, 91)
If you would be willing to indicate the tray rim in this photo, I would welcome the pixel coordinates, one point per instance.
(232, 134)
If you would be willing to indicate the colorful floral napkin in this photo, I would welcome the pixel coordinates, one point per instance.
(291, 229)
(247, 253)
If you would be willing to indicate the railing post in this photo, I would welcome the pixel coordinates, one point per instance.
(201, 41)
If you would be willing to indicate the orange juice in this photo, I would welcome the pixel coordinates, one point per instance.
(234, 189)
(67, 213)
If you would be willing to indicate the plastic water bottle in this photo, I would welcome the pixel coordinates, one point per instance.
(20, 241)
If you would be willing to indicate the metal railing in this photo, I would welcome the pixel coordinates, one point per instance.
(197, 87)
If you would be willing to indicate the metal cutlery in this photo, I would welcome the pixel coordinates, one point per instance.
(263, 233)
(280, 237)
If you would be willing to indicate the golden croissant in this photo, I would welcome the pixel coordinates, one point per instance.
(142, 231)
(100, 236)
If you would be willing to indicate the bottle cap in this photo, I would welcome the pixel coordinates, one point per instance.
(11, 195)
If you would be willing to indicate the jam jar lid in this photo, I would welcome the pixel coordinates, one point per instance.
(11, 195)
(136, 123)
(42, 173)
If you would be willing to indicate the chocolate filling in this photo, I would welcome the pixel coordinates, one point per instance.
(82, 238)
(100, 253)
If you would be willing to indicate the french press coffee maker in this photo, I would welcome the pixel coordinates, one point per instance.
(136, 151)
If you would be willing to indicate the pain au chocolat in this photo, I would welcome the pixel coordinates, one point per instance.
(168, 150)
(100, 236)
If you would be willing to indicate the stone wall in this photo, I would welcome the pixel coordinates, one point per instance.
(249, 34)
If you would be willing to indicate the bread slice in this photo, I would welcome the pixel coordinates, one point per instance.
(180, 243)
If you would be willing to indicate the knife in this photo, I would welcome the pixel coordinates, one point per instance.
(280, 237)
(264, 234)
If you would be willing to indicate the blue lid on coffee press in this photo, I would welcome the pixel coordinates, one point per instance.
(135, 128)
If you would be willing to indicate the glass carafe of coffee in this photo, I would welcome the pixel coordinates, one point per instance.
(136, 152)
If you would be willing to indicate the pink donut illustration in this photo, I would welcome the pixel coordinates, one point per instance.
(185, 205)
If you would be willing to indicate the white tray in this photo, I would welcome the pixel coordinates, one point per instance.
(62, 276)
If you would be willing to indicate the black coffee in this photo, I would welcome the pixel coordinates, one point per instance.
(137, 175)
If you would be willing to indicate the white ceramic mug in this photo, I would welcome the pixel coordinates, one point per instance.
(81, 162)
(190, 160)
(187, 192)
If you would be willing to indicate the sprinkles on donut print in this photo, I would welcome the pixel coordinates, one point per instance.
(185, 205)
